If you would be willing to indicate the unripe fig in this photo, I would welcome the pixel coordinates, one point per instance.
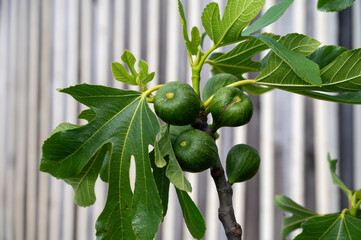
(217, 82)
(176, 103)
(230, 107)
(195, 150)
(242, 163)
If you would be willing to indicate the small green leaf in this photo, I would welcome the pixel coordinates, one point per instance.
(191, 214)
(129, 59)
(326, 54)
(192, 46)
(333, 5)
(237, 15)
(336, 180)
(173, 171)
(144, 76)
(272, 14)
(287, 64)
(299, 214)
(158, 157)
(239, 60)
(87, 114)
(195, 42)
(183, 22)
(331, 226)
(162, 182)
(122, 75)
(358, 194)
(135, 78)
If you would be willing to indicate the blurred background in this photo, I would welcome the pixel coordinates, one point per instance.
(50, 44)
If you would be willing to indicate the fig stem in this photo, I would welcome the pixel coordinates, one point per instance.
(235, 84)
(152, 89)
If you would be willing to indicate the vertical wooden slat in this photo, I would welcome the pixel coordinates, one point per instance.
(58, 109)
(21, 106)
(325, 118)
(4, 20)
(357, 109)
(11, 122)
(153, 39)
(267, 156)
(119, 34)
(135, 33)
(83, 214)
(71, 78)
(44, 124)
(33, 118)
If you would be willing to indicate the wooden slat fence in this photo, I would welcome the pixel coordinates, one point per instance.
(49, 44)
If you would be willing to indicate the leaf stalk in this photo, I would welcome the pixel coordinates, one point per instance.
(235, 84)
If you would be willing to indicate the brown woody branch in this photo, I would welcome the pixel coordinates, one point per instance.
(224, 189)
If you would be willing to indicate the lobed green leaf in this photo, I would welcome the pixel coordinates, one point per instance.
(135, 78)
(125, 123)
(237, 15)
(299, 214)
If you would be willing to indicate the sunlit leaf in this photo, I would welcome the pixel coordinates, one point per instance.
(237, 15)
(272, 15)
(239, 60)
(134, 78)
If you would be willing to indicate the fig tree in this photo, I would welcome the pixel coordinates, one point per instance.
(242, 163)
(230, 107)
(195, 150)
(176, 103)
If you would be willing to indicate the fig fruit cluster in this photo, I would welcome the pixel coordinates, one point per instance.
(177, 104)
